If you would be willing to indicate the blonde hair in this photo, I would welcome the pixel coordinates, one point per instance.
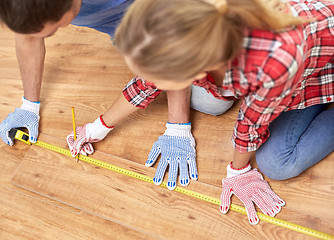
(177, 39)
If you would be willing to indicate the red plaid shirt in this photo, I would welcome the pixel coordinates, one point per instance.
(274, 72)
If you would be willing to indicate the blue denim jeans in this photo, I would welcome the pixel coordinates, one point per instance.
(101, 15)
(298, 140)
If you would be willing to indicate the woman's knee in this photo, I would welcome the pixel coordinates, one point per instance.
(290, 151)
(278, 167)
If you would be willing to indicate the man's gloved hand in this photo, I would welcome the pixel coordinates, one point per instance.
(248, 185)
(177, 149)
(26, 116)
(86, 135)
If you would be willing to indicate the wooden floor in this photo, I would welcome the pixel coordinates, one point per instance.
(45, 195)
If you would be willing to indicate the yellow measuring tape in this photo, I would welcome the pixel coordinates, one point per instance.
(24, 137)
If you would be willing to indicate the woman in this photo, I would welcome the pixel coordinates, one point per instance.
(277, 57)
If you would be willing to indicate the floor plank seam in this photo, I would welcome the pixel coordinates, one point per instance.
(82, 210)
(39, 199)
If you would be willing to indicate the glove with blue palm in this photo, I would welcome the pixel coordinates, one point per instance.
(177, 149)
(26, 116)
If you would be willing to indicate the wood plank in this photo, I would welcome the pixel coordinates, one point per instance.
(26, 217)
(10, 159)
(118, 197)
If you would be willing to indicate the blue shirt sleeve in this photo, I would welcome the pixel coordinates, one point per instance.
(101, 15)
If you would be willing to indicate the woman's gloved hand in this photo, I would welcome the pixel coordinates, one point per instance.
(86, 135)
(248, 185)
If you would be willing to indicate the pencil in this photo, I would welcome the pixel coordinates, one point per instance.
(74, 131)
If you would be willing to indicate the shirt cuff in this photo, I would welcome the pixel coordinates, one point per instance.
(140, 93)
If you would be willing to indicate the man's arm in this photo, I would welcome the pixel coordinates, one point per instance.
(178, 112)
(30, 52)
(177, 145)
(179, 105)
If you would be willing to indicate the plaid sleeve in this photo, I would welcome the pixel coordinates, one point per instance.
(140, 92)
(274, 84)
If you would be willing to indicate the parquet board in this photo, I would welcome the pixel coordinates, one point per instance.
(10, 159)
(26, 217)
(118, 197)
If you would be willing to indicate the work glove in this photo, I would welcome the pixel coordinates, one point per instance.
(86, 135)
(177, 149)
(248, 185)
(26, 116)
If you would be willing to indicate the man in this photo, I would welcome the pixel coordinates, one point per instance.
(34, 20)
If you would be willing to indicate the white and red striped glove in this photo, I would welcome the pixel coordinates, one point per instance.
(248, 185)
(86, 135)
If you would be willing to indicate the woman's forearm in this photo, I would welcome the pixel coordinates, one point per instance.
(241, 159)
(120, 109)
(178, 108)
